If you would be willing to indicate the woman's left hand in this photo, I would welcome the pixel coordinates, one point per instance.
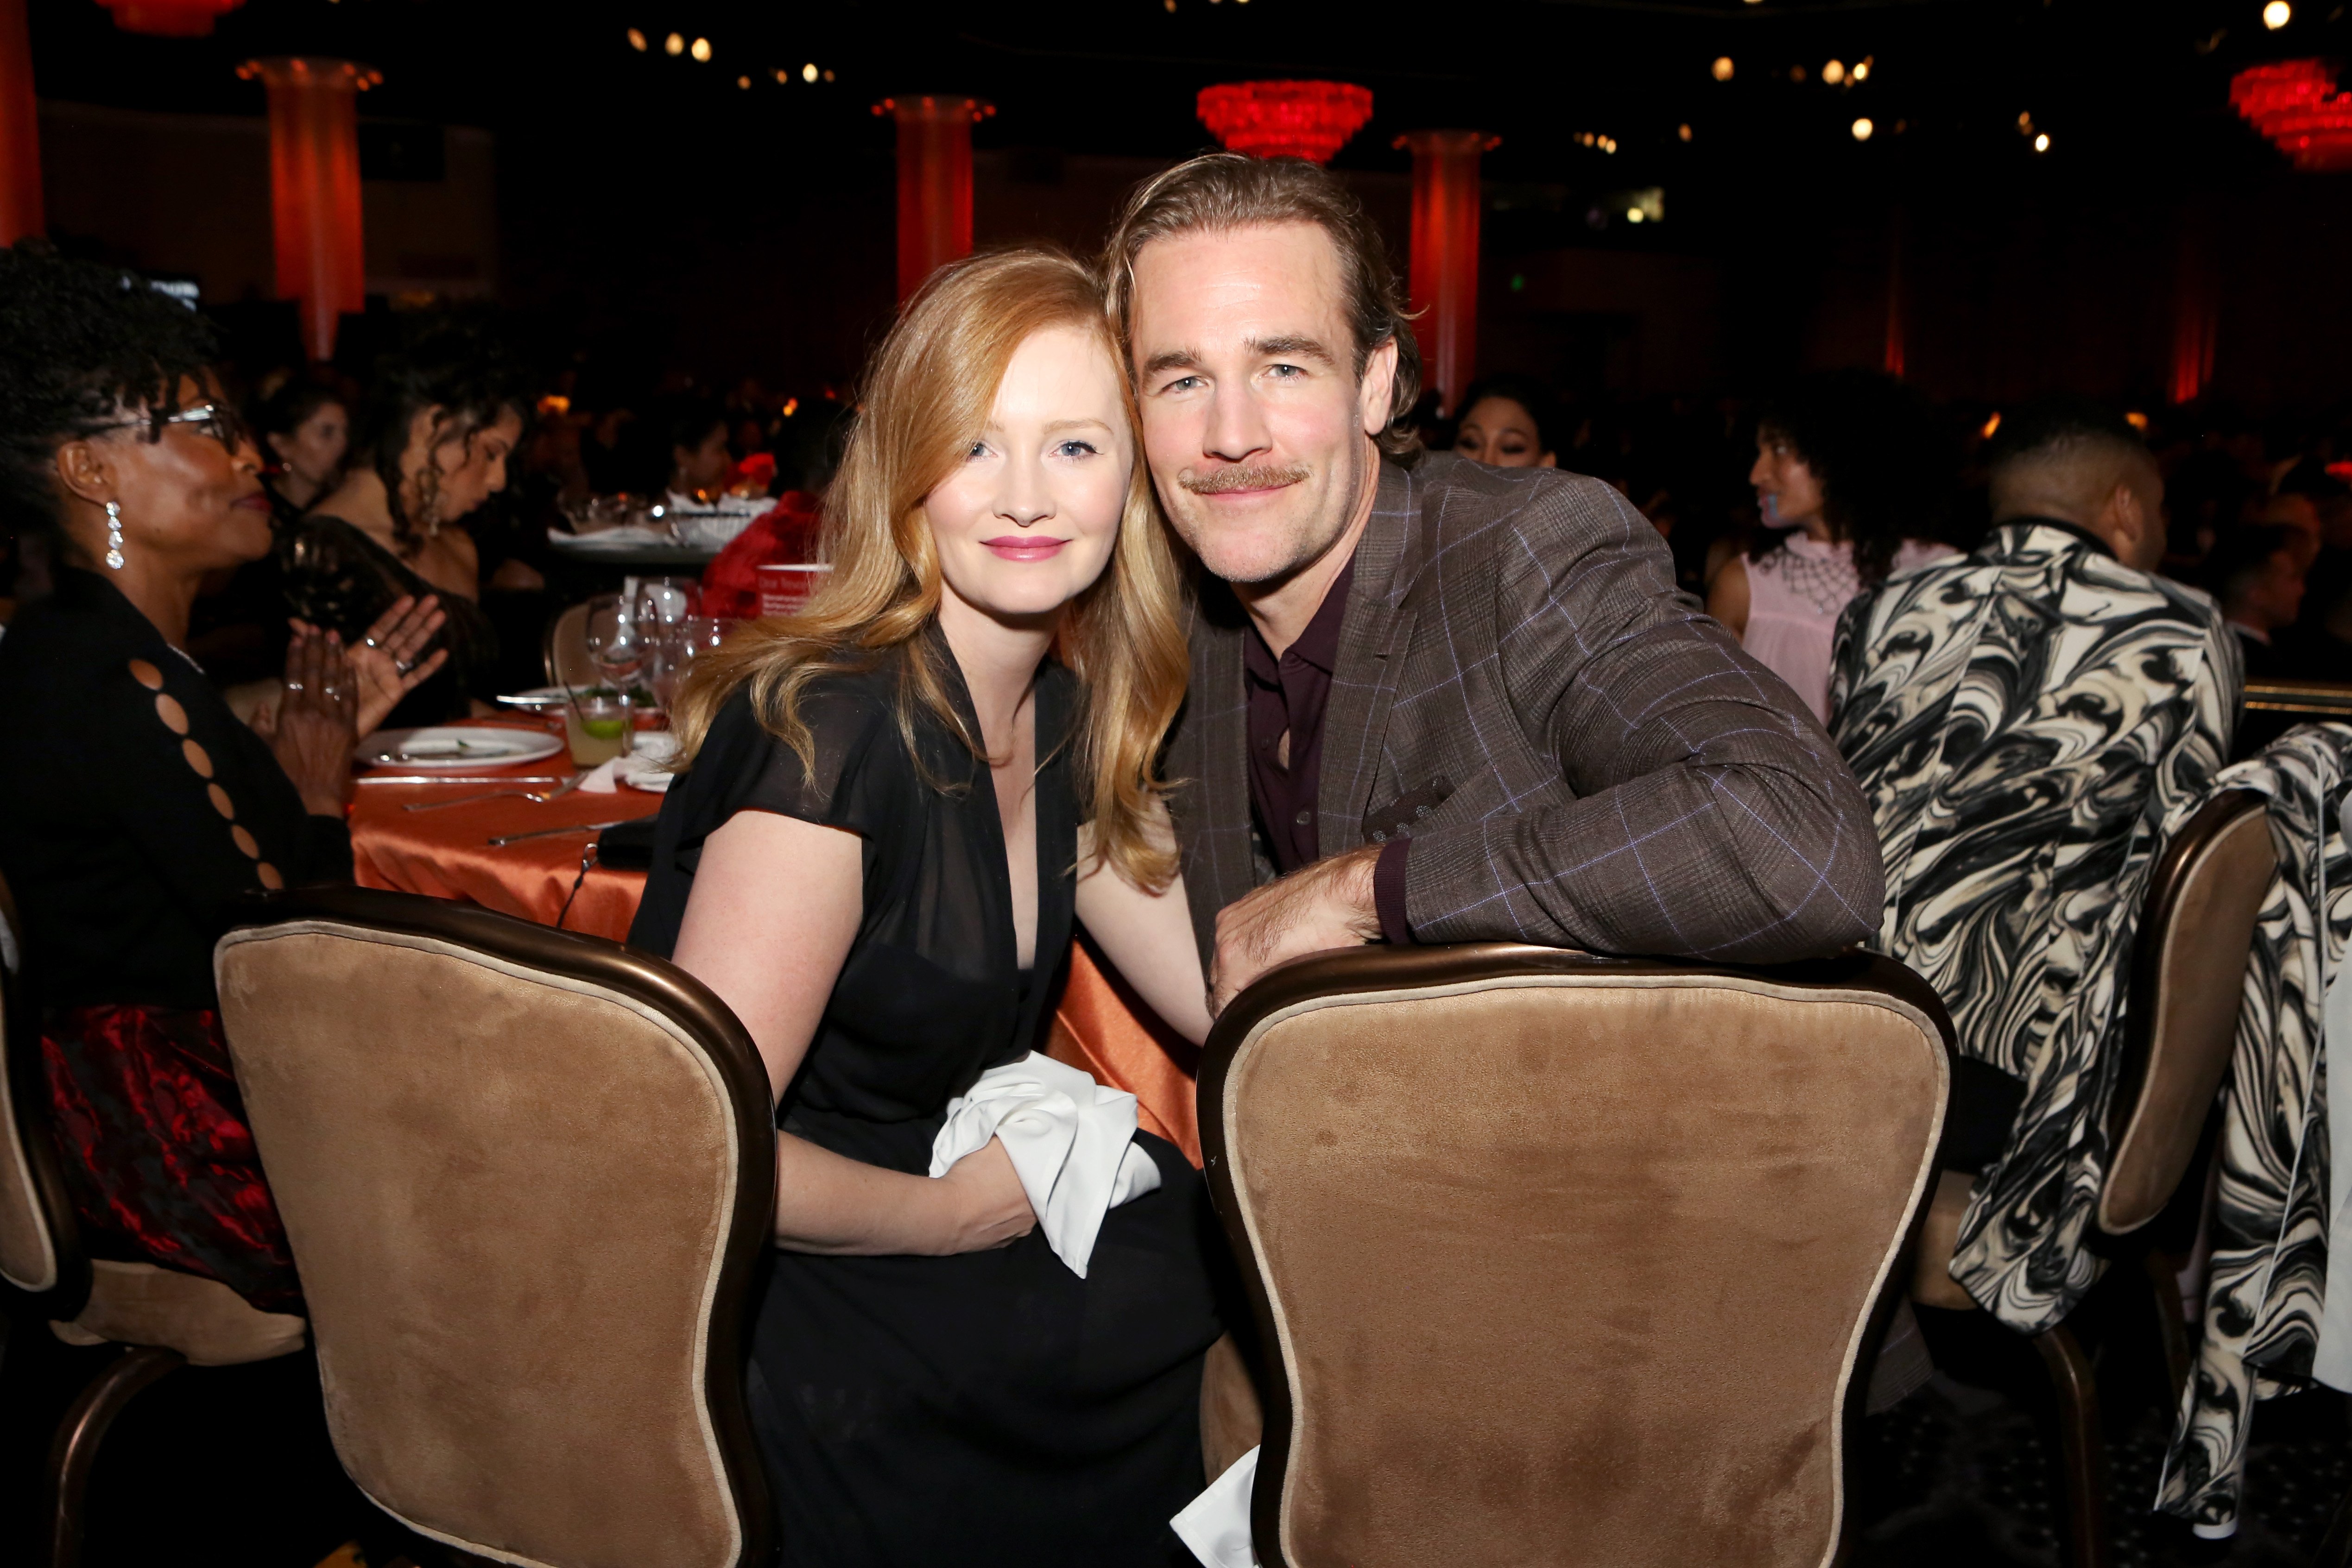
(390, 661)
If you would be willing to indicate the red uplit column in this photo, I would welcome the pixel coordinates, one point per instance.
(20, 130)
(1897, 305)
(1445, 206)
(314, 188)
(934, 181)
(2195, 313)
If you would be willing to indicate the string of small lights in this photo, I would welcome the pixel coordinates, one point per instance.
(703, 52)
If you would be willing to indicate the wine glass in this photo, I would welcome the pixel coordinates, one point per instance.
(685, 642)
(616, 641)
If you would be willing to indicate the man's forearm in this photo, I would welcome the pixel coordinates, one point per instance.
(1726, 863)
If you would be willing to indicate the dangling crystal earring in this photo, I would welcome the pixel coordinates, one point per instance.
(114, 535)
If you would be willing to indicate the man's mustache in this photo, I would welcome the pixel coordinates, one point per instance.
(1255, 477)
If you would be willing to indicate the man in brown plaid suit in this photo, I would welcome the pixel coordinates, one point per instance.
(1430, 700)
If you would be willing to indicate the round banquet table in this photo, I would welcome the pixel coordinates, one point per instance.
(1099, 1026)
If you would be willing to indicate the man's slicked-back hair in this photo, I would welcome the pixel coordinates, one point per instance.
(2057, 427)
(1220, 192)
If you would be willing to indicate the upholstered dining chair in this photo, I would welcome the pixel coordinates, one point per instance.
(1558, 1258)
(528, 1176)
(565, 652)
(2189, 967)
(162, 1319)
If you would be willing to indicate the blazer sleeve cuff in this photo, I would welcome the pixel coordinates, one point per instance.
(1388, 893)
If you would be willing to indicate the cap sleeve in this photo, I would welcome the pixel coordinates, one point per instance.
(855, 777)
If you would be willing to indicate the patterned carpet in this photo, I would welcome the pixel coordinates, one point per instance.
(1959, 1473)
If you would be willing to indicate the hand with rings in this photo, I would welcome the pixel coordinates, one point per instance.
(391, 660)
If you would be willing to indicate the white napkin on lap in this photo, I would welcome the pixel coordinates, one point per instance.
(1072, 1143)
(1216, 1524)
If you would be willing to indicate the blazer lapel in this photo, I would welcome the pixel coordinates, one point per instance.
(1211, 757)
(1372, 642)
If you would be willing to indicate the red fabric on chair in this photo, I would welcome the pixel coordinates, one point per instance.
(153, 1140)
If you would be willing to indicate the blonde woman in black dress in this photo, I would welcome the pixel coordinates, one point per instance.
(894, 808)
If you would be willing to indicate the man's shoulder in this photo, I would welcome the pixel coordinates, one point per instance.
(1459, 498)
(1537, 524)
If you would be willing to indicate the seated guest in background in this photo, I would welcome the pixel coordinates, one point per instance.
(2031, 723)
(2256, 574)
(1849, 470)
(430, 445)
(307, 431)
(1510, 422)
(694, 429)
(136, 810)
(893, 808)
(1440, 701)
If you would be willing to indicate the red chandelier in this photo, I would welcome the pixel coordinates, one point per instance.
(2294, 103)
(169, 19)
(1309, 119)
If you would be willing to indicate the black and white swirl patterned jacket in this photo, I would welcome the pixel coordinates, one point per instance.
(2030, 723)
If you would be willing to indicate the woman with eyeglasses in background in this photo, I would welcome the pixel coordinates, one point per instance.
(136, 810)
(429, 447)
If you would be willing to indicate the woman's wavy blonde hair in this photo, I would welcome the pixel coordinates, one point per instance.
(925, 400)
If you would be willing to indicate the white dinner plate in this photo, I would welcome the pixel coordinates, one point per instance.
(457, 746)
(537, 697)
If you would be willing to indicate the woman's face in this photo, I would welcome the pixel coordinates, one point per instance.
(702, 466)
(1027, 521)
(469, 468)
(191, 502)
(314, 450)
(1786, 489)
(1498, 430)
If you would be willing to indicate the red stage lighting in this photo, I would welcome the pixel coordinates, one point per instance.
(1309, 119)
(169, 19)
(2294, 103)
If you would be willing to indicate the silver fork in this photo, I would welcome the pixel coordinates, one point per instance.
(535, 796)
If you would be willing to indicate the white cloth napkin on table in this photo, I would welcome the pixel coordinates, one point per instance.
(641, 768)
(1216, 1524)
(1072, 1143)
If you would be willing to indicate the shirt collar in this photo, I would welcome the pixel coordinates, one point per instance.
(2077, 529)
(1318, 645)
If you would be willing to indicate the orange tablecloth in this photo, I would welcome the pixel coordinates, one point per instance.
(1100, 1026)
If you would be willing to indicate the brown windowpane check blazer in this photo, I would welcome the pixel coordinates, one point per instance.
(1581, 756)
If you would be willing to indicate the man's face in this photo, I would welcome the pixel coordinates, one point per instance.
(1255, 423)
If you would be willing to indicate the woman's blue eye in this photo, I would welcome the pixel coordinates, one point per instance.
(1073, 449)
(979, 449)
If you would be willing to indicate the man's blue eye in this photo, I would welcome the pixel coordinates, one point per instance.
(1286, 371)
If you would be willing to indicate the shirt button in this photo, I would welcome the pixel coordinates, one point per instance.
(1305, 817)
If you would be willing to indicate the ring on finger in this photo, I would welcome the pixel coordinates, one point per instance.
(332, 693)
(403, 665)
(369, 642)
(294, 686)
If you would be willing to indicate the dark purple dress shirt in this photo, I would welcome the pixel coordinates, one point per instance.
(1287, 697)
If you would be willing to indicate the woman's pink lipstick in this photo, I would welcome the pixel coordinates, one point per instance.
(1022, 547)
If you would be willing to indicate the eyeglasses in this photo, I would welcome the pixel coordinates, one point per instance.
(217, 420)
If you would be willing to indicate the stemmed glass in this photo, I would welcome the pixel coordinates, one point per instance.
(685, 642)
(615, 640)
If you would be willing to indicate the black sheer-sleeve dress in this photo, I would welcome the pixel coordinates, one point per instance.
(990, 1407)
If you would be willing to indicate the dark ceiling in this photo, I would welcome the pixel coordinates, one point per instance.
(2126, 89)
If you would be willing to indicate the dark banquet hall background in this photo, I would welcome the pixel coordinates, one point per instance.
(1635, 224)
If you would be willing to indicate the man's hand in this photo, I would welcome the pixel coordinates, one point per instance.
(1317, 907)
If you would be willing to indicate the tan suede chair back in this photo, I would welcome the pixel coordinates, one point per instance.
(1567, 1260)
(40, 1251)
(2188, 974)
(565, 653)
(526, 1176)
